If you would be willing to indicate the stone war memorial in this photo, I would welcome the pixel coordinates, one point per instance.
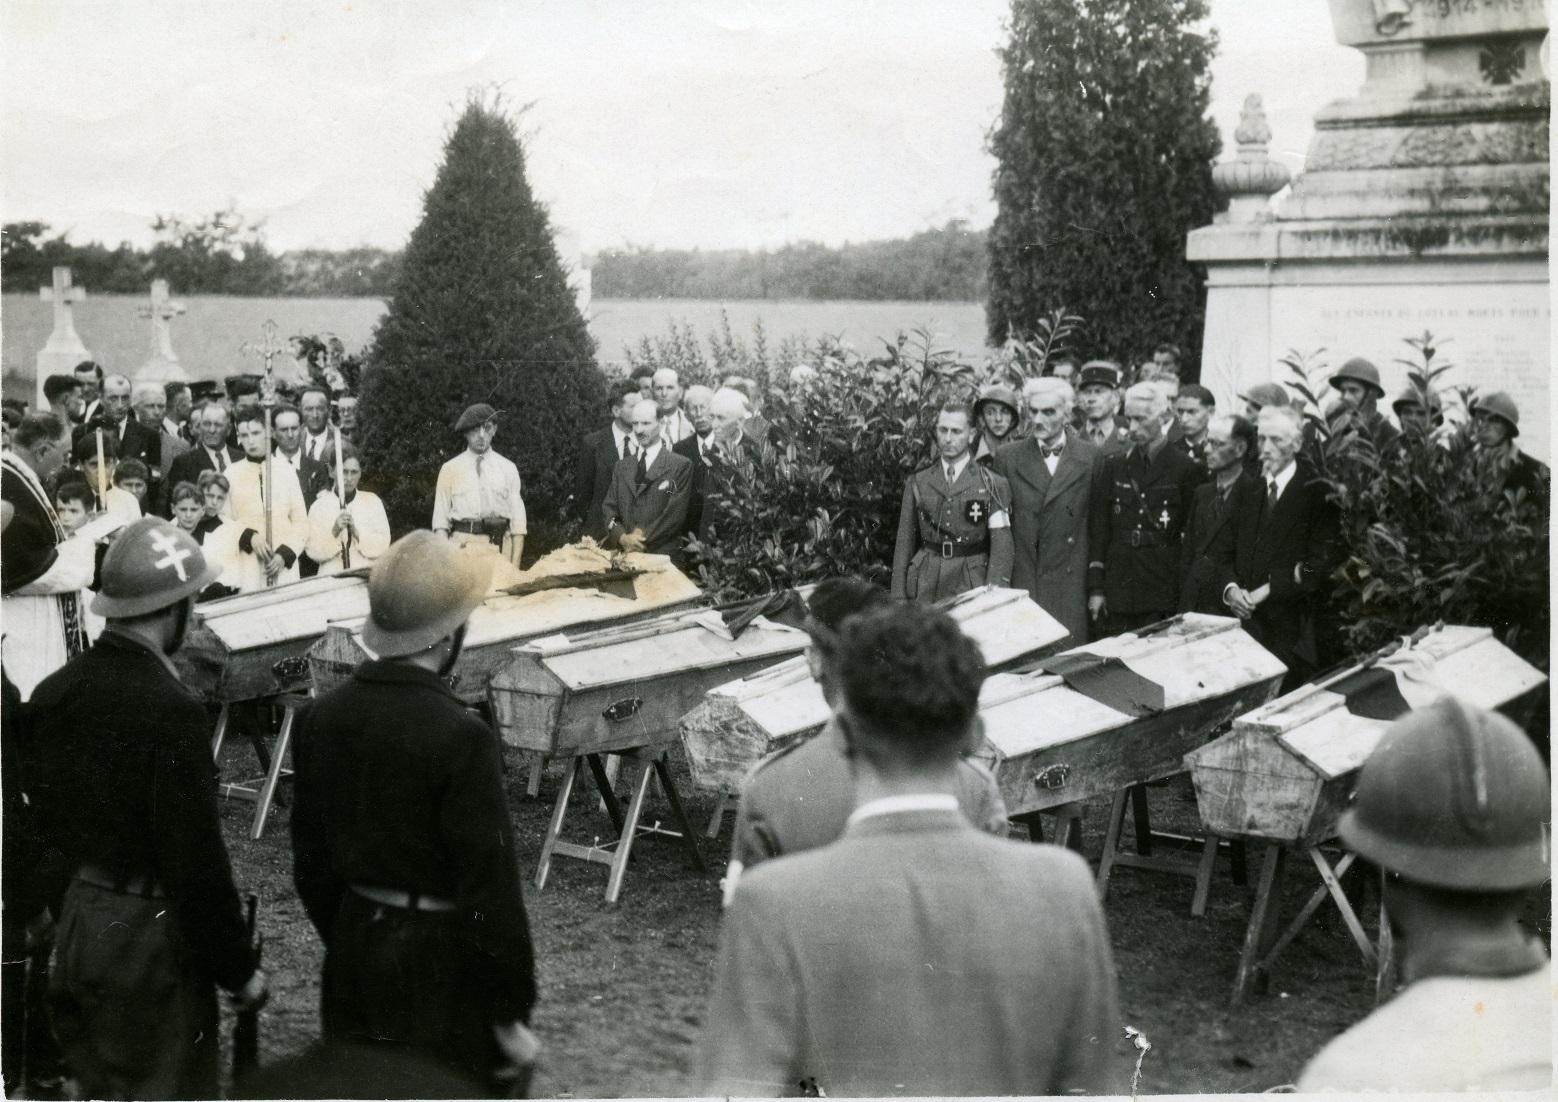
(1422, 206)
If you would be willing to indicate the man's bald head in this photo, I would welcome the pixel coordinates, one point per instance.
(646, 422)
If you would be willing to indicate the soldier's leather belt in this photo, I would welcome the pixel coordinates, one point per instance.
(406, 901)
(949, 550)
(494, 529)
(144, 886)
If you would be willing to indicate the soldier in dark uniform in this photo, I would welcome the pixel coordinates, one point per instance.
(800, 798)
(403, 852)
(1098, 394)
(1138, 512)
(150, 920)
(954, 532)
(1498, 424)
(1193, 407)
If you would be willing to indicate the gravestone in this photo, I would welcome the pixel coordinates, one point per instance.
(1423, 205)
(162, 366)
(63, 350)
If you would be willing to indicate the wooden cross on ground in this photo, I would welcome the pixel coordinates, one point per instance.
(161, 310)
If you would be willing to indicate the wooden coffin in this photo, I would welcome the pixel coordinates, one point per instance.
(253, 645)
(624, 687)
(739, 723)
(1052, 738)
(504, 620)
(1286, 770)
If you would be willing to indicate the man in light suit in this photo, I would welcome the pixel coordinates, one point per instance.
(902, 959)
(599, 453)
(1051, 475)
(646, 507)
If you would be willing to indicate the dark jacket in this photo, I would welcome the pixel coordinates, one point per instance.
(712, 477)
(1208, 541)
(399, 787)
(657, 508)
(598, 457)
(1293, 546)
(124, 781)
(1135, 523)
(313, 474)
(688, 449)
(188, 467)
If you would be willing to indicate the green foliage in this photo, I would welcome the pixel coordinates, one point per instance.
(1429, 536)
(221, 253)
(728, 354)
(946, 264)
(1104, 154)
(481, 312)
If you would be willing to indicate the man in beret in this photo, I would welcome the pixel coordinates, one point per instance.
(478, 494)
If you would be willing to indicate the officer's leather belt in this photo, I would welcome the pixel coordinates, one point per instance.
(493, 529)
(949, 550)
(144, 886)
(1139, 538)
(406, 901)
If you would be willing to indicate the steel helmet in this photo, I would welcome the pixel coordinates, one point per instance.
(1358, 370)
(1454, 797)
(1501, 405)
(153, 564)
(1266, 394)
(1001, 395)
(1412, 396)
(420, 590)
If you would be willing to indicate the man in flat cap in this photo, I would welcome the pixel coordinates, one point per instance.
(478, 495)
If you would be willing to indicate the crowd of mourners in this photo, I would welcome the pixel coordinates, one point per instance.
(882, 935)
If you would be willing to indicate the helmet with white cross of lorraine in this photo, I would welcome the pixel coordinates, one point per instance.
(153, 564)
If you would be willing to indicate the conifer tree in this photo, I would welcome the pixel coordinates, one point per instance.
(1104, 154)
(481, 312)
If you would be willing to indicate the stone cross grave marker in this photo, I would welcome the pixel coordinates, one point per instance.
(162, 366)
(64, 349)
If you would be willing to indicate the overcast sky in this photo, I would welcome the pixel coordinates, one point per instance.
(678, 123)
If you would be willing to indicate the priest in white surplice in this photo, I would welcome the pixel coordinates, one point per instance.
(245, 510)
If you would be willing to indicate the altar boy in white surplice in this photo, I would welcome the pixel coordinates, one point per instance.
(246, 503)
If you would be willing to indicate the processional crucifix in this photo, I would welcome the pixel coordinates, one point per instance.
(266, 351)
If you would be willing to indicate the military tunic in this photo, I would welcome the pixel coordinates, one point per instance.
(952, 538)
(1136, 524)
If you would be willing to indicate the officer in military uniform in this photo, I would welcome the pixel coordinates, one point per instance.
(1098, 394)
(1453, 805)
(954, 533)
(800, 798)
(151, 922)
(403, 851)
(1137, 519)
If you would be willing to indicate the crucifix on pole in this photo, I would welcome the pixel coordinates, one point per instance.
(266, 351)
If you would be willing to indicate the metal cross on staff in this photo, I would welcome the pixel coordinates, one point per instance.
(266, 351)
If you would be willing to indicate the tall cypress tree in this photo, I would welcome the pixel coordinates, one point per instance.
(481, 312)
(1104, 154)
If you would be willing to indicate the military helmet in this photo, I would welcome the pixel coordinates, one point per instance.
(1412, 396)
(1453, 797)
(1266, 394)
(1500, 405)
(1001, 395)
(151, 565)
(420, 590)
(1358, 370)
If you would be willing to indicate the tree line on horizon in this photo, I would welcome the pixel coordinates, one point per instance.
(222, 254)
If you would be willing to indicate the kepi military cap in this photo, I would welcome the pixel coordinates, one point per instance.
(1358, 370)
(479, 414)
(1099, 373)
(153, 564)
(420, 590)
(1501, 405)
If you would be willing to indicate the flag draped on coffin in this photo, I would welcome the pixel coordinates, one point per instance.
(1286, 770)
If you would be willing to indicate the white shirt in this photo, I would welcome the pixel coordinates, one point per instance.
(957, 468)
(652, 453)
(621, 438)
(1051, 462)
(892, 805)
(317, 446)
(470, 491)
(295, 460)
(675, 427)
(1282, 478)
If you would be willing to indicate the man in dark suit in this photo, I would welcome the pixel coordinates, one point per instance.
(1284, 552)
(698, 449)
(1136, 519)
(1051, 477)
(599, 453)
(646, 507)
(1215, 511)
(729, 445)
(313, 474)
(146, 439)
(210, 453)
(901, 959)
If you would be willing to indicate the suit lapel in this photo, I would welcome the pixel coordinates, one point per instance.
(1068, 470)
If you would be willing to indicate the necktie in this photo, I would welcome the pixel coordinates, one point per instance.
(1271, 495)
(627, 447)
(951, 474)
(643, 471)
